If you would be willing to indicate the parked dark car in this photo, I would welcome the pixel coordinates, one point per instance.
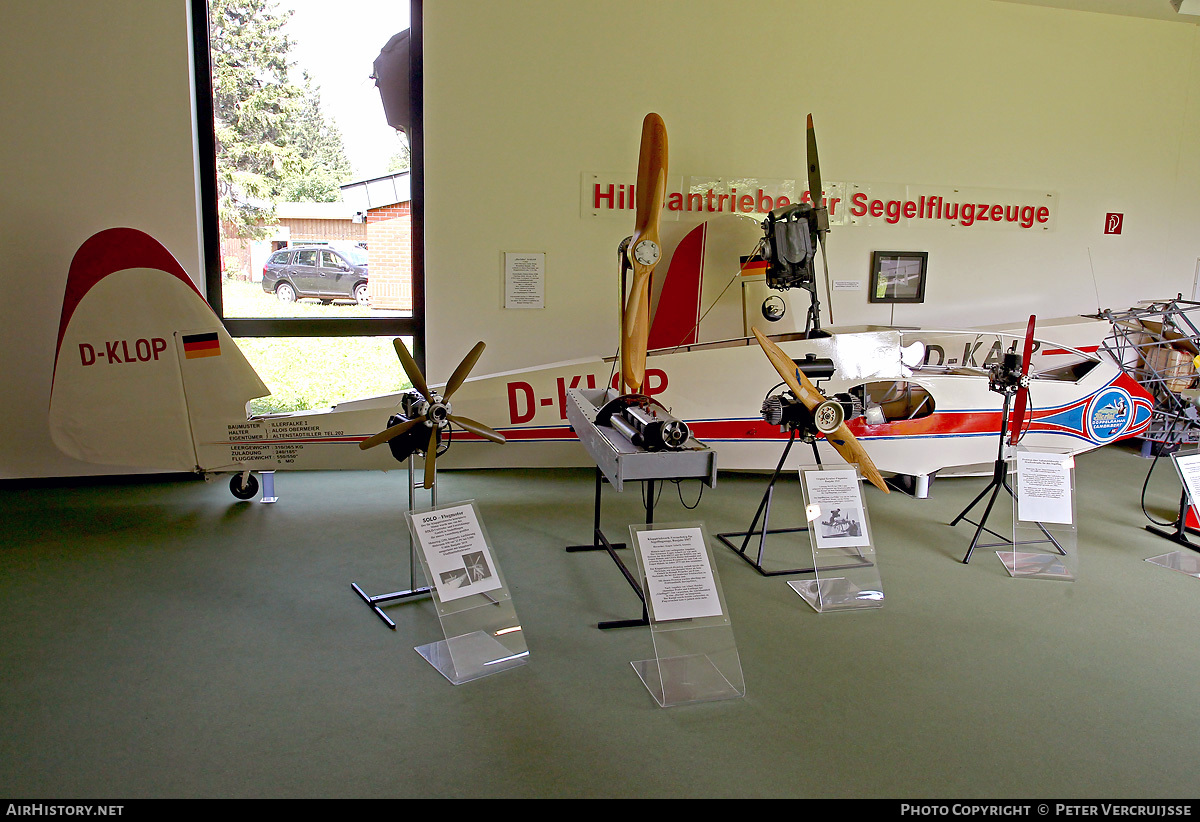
(324, 272)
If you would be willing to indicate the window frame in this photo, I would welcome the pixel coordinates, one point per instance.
(414, 326)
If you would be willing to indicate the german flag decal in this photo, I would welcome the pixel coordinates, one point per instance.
(751, 267)
(201, 345)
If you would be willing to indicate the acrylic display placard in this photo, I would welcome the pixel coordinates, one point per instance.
(1186, 562)
(845, 575)
(483, 634)
(695, 655)
(1044, 530)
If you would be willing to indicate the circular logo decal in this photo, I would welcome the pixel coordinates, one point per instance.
(773, 308)
(1109, 414)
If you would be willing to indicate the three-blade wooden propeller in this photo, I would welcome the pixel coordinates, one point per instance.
(437, 408)
(645, 250)
(1018, 416)
(841, 439)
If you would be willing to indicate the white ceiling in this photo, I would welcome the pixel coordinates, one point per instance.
(1150, 9)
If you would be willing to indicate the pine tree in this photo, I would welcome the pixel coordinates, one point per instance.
(323, 162)
(274, 143)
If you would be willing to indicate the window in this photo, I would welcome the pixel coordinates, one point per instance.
(261, 302)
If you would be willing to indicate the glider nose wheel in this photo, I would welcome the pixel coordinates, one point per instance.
(243, 486)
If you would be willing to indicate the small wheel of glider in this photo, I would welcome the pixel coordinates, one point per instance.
(243, 491)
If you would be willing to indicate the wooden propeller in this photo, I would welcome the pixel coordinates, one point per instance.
(410, 367)
(437, 408)
(388, 433)
(464, 368)
(841, 439)
(644, 250)
(1018, 416)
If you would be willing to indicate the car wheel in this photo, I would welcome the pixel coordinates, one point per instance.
(285, 293)
(360, 294)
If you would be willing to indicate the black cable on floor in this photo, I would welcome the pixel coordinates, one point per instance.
(679, 488)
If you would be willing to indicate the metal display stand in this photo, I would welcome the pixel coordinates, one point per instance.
(483, 634)
(1188, 562)
(268, 488)
(376, 602)
(1044, 532)
(1179, 531)
(800, 422)
(601, 543)
(845, 574)
(999, 482)
(695, 654)
(757, 562)
(619, 461)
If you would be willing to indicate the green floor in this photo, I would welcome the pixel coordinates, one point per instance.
(162, 640)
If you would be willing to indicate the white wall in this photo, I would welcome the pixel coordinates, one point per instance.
(522, 96)
(96, 132)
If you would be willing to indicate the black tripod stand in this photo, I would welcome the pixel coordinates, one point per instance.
(998, 483)
(801, 423)
(1006, 378)
(1179, 529)
(764, 507)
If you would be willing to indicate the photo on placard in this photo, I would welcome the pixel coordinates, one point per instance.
(839, 524)
(456, 578)
(477, 566)
(835, 509)
(452, 542)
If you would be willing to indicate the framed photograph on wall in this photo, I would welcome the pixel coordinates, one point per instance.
(898, 276)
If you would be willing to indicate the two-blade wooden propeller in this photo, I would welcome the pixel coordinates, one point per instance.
(437, 412)
(644, 250)
(841, 439)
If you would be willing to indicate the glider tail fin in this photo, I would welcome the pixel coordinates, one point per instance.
(141, 358)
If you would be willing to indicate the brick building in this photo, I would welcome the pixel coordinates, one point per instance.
(296, 224)
(384, 204)
(375, 213)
